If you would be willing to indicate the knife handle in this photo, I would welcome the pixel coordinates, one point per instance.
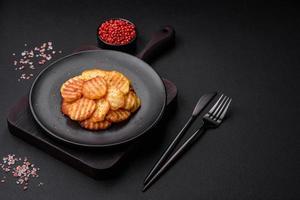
(184, 147)
(169, 149)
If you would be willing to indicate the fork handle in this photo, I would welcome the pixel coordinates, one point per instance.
(169, 149)
(185, 146)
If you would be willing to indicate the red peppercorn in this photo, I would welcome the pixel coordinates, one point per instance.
(117, 32)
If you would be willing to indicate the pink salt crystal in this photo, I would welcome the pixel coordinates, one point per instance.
(27, 61)
(49, 57)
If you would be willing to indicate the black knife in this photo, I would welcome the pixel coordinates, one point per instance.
(202, 102)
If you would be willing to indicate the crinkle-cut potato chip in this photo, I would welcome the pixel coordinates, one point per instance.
(130, 100)
(88, 124)
(117, 115)
(65, 106)
(81, 109)
(102, 109)
(118, 80)
(94, 88)
(98, 98)
(92, 73)
(136, 105)
(71, 90)
(115, 98)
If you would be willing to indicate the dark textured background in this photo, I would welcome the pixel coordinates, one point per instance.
(248, 50)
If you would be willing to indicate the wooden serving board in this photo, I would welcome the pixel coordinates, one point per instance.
(95, 162)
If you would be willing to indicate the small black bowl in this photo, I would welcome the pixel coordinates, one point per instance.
(129, 47)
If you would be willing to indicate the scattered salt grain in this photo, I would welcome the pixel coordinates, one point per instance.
(40, 184)
(20, 168)
(33, 57)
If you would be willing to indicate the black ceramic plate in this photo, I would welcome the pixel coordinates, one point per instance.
(45, 99)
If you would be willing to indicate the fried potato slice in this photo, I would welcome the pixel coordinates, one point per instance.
(65, 107)
(102, 109)
(92, 73)
(88, 124)
(94, 88)
(117, 115)
(81, 109)
(136, 105)
(118, 80)
(130, 100)
(71, 90)
(99, 98)
(115, 98)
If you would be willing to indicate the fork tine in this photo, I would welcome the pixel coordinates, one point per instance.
(215, 105)
(222, 106)
(216, 112)
(225, 110)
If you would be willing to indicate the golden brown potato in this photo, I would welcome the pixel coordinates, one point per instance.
(98, 98)
(118, 80)
(65, 106)
(102, 109)
(136, 105)
(94, 88)
(71, 90)
(88, 124)
(117, 115)
(115, 98)
(81, 109)
(92, 73)
(130, 100)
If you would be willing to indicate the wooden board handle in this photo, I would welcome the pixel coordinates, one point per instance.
(159, 41)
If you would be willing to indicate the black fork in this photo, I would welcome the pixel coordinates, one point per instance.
(212, 119)
(216, 114)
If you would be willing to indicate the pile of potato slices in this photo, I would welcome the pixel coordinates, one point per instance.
(98, 98)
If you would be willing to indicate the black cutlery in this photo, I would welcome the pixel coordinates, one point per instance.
(202, 102)
(210, 120)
